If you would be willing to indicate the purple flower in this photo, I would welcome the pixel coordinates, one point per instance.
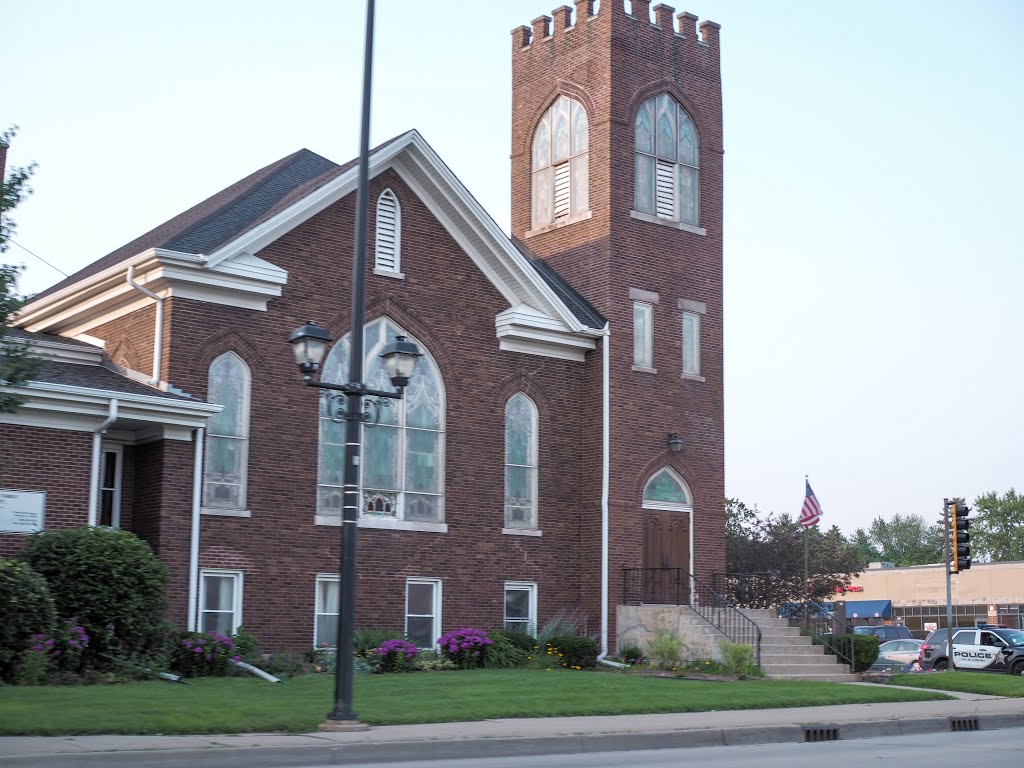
(236, 658)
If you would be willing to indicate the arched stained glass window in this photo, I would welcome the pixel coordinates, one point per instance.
(667, 490)
(559, 162)
(520, 462)
(402, 462)
(667, 182)
(227, 436)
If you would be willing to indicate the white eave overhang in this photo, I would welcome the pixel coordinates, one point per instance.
(244, 281)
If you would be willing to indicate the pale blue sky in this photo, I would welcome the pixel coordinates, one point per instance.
(873, 166)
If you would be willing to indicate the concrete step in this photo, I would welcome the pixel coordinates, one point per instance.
(789, 656)
(821, 678)
(821, 668)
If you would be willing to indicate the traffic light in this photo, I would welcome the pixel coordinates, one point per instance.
(959, 538)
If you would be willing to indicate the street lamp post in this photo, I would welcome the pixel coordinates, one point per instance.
(309, 343)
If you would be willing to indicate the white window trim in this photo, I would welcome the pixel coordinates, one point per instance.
(640, 216)
(438, 602)
(535, 458)
(531, 587)
(695, 374)
(115, 507)
(242, 509)
(323, 577)
(236, 613)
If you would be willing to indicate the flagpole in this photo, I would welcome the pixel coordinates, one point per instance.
(807, 578)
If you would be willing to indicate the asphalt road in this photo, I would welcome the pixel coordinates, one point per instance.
(998, 748)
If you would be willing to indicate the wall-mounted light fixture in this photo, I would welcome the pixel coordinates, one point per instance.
(675, 442)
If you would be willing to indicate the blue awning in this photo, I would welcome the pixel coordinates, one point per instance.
(869, 609)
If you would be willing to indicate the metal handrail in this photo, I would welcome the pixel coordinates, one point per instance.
(677, 586)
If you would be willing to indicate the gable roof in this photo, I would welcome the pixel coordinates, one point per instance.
(583, 309)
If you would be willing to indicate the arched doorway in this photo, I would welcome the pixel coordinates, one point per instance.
(667, 516)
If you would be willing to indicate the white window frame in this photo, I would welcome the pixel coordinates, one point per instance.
(528, 586)
(115, 504)
(648, 340)
(535, 464)
(236, 611)
(242, 509)
(437, 606)
(388, 195)
(324, 578)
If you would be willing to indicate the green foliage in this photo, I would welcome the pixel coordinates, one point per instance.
(283, 664)
(996, 527)
(34, 668)
(863, 649)
(905, 540)
(738, 659)
(631, 654)
(665, 649)
(772, 547)
(578, 651)
(520, 640)
(109, 581)
(247, 646)
(430, 661)
(567, 622)
(502, 653)
(203, 654)
(28, 609)
(365, 640)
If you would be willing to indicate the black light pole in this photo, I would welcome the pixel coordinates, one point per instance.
(309, 343)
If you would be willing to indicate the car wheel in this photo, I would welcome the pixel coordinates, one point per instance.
(942, 665)
(1017, 669)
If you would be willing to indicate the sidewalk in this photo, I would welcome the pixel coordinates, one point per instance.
(495, 738)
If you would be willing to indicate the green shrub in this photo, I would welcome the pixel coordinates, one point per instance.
(863, 649)
(738, 659)
(247, 647)
(109, 581)
(521, 640)
(631, 654)
(203, 654)
(577, 651)
(28, 610)
(665, 649)
(283, 664)
(465, 646)
(567, 622)
(34, 668)
(502, 653)
(365, 640)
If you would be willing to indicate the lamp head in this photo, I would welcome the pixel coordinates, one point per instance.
(309, 344)
(400, 358)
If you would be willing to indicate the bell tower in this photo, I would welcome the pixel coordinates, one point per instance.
(617, 183)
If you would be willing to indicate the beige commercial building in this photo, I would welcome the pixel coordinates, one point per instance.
(988, 592)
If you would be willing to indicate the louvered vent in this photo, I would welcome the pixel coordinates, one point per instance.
(388, 229)
(666, 186)
(561, 190)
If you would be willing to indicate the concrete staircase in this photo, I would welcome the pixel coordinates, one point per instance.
(788, 655)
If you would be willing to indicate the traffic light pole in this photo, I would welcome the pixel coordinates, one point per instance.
(947, 556)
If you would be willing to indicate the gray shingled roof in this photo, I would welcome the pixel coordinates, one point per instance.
(99, 377)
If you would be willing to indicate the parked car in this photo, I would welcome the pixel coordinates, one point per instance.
(897, 654)
(984, 648)
(885, 631)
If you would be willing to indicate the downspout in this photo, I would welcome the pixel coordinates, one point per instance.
(94, 473)
(605, 470)
(158, 338)
(193, 547)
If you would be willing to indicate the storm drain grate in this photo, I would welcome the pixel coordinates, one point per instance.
(821, 733)
(964, 724)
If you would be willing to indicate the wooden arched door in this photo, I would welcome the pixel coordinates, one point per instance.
(666, 557)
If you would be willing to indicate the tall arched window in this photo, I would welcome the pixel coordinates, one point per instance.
(667, 490)
(520, 462)
(402, 463)
(667, 161)
(560, 144)
(388, 240)
(227, 437)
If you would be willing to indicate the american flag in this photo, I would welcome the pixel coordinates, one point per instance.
(811, 511)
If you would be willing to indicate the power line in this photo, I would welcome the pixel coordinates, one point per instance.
(26, 250)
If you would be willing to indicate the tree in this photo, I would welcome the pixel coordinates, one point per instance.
(765, 558)
(17, 364)
(904, 540)
(996, 531)
(866, 549)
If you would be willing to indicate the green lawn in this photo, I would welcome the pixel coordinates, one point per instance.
(969, 682)
(238, 705)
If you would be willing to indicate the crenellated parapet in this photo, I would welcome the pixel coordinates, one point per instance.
(681, 28)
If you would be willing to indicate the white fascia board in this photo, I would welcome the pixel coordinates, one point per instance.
(64, 353)
(523, 329)
(261, 236)
(514, 260)
(130, 404)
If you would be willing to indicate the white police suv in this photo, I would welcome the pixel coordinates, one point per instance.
(988, 649)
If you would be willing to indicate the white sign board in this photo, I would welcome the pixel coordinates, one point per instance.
(21, 511)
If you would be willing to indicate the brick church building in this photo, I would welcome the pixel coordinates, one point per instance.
(564, 424)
